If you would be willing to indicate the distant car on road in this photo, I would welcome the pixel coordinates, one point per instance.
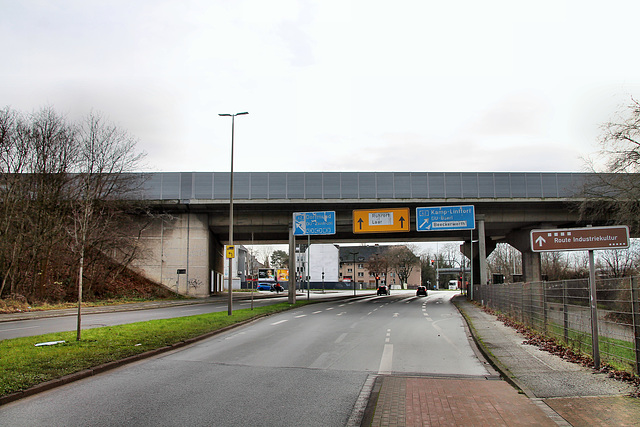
(265, 287)
(383, 290)
(422, 291)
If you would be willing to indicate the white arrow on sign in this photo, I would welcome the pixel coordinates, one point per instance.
(422, 227)
(540, 240)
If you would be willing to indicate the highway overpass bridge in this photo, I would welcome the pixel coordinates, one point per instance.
(507, 207)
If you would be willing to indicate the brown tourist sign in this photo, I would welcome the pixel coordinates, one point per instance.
(580, 239)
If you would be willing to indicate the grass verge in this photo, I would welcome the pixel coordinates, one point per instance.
(23, 365)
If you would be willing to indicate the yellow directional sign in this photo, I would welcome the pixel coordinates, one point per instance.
(381, 220)
(231, 251)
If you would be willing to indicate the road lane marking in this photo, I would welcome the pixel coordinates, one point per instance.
(302, 315)
(316, 312)
(17, 329)
(340, 338)
(329, 308)
(386, 361)
(341, 313)
(281, 321)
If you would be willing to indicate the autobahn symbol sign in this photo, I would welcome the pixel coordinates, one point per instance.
(580, 239)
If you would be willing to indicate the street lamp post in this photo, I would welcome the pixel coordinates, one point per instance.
(354, 271)
(230, 300)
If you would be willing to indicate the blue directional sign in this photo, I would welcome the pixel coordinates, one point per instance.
(443, 218)
(314, 223)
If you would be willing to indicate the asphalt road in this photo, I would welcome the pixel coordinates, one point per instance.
(303, 367)
(38, 326)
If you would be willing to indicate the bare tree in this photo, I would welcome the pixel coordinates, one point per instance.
(106, 157)
(427, 266)
(35, 156)
(378, 265)
(615, 192)
(402, 260)
(618, 262)
(65, 194)
(505, 259)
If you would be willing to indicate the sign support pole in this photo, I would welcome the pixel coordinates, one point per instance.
(594, 311)
(471, 264)
(292, 266)
(308, 261)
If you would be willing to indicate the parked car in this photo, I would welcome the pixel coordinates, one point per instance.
(264, 287)
(383, 290)
(422, 291)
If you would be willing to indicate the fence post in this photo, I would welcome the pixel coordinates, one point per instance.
(522, 303)
(635, 309)
(544, 308)
(593, 300)
(565, 312)
(530, 309)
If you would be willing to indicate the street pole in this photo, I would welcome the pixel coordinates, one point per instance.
(593, 302)
(308, 265)
(230, 299)
(353, 279)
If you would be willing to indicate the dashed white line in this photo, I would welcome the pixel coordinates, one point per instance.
(280, 321)
(302, 315)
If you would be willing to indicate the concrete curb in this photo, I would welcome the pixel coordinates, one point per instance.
(85, 373)
(495, 363)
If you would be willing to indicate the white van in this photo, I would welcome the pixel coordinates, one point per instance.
(453, 284)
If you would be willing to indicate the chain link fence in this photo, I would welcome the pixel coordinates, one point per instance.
(561, 310)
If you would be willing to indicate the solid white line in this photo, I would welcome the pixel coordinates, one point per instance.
(386, 361)
(17, 329)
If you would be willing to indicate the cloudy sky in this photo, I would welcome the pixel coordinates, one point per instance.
(332, 85)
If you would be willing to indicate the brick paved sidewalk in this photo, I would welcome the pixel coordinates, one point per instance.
(598, 410)
(424, 401)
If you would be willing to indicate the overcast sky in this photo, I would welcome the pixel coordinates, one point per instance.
(341, 85)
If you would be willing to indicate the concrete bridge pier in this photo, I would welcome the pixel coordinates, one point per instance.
(531, 266)
(182, 253)
(482, 248)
